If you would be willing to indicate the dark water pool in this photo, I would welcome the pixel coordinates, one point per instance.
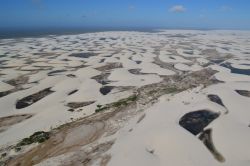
(236, 70)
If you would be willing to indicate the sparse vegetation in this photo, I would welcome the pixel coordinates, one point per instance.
(37, 137)
(124, 102)
(3, 155)
(100, 108)
(171, 90)
(120, 103)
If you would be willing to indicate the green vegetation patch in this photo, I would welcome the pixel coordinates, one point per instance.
(164, 90)
(124, 102)
(101, 108)
(172, 90)
(120, 103)
(37, 137)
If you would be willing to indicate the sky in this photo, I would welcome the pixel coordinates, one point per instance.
(208, 14)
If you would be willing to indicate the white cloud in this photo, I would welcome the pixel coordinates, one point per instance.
(177, 9)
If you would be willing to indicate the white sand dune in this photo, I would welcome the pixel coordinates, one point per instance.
(160, 132)
(58, 70)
